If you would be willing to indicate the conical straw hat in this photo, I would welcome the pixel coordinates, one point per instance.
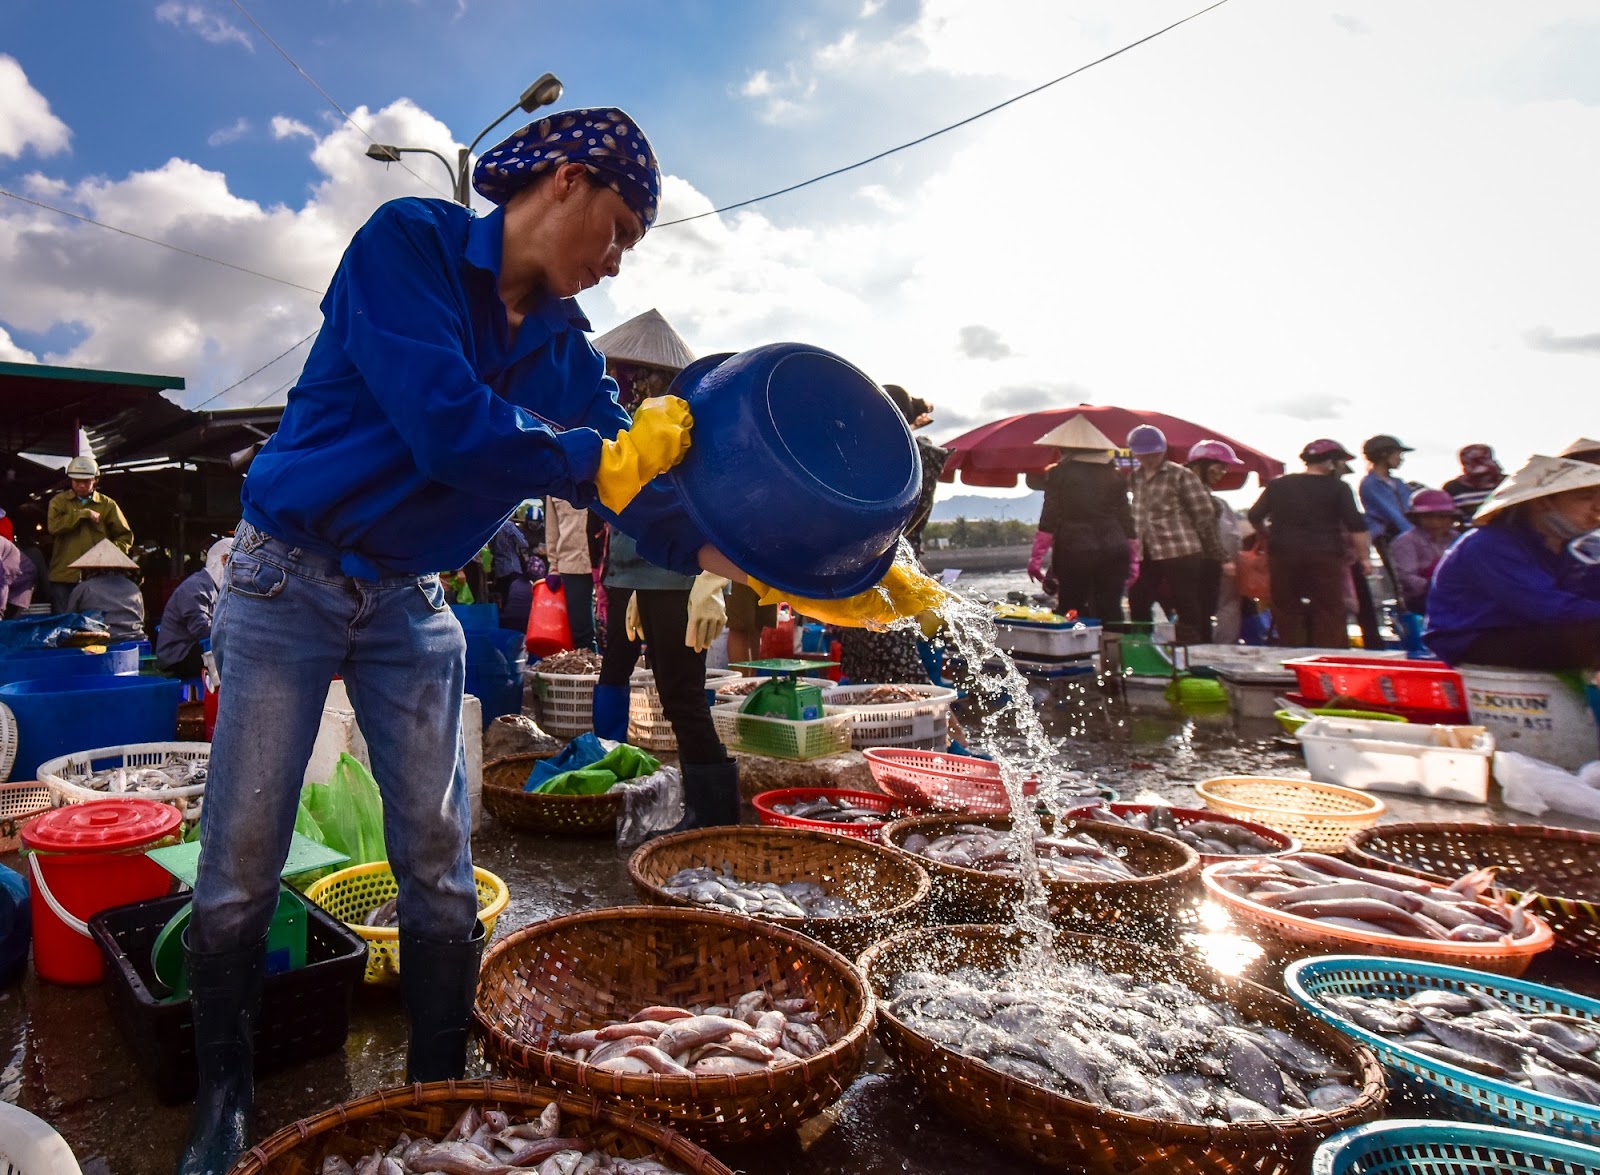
(104, 556)
(1581, 445)
(1078, 432)
(1539, 478)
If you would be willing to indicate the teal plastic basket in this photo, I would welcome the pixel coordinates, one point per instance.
(1447, 1089)
(1414, 1146)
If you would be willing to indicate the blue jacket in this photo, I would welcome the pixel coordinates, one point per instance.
(1385, 500)
(419, 423)
(1504, 576)
(186, 620)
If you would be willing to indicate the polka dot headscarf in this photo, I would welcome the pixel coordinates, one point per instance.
(607, 142)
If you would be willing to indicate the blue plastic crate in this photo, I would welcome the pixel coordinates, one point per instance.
(1453, 1091)
(1414, 1146)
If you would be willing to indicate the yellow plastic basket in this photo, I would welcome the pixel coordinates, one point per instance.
(351, 894)
(1320, 815)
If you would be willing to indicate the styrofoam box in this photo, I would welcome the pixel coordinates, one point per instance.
(1398, 757)
(1064, 639)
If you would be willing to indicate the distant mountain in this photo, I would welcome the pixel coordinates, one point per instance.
(1024, 507)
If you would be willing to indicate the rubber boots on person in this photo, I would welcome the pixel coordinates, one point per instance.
(439, 980)
(224, 993)
(611, 711)
(710, 795)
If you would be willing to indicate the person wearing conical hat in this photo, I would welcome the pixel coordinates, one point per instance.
(107, 587)
(1085, 524)
(1583, 449)
(1511, 592)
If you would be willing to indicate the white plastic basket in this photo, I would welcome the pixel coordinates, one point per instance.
(734, 689)
(648, 728)
(30, 1145)
(1061, 639)
(60, 773)
(8, 741)
(20, 802)
(923, 724)
(782, 738)
(1408, 759)
(566, 701)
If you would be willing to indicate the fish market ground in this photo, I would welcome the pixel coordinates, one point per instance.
(65, 1061)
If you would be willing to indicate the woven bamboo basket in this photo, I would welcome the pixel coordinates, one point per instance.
(503, 781)
(1169, 878)
(892, 887)
(585, 970)
(1063, 1133)
(353, 1130)
(1561, 865)
(1318, 815)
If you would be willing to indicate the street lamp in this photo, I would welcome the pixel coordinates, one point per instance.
(545, 90)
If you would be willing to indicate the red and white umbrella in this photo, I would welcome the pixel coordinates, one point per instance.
(997, 454)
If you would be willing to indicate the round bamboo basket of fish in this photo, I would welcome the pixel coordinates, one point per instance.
(1169, 877)
(892, 888)
(526, 811)
(585, 970)
(1065, 1133)
(353, 1130)
(1561, 865)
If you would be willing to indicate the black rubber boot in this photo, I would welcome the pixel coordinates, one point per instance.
(224, 993)
(439, 981)
(710, 795)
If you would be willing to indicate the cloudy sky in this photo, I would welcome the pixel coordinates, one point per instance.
(1285, 220)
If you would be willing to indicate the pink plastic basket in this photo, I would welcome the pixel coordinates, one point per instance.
(931, 779)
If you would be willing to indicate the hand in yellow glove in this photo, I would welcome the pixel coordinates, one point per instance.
(631, 624)
(708, 612)
(902, 594)
(657, 440)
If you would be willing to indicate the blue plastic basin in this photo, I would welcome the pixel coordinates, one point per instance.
(801, 470)
(37, 664)
(60, 715)
(496, 658)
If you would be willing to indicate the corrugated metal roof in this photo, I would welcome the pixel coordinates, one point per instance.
(646, 339)
(41, 407)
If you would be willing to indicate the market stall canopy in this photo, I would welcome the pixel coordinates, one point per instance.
(997, 454)
(42, 408)
(646, 339)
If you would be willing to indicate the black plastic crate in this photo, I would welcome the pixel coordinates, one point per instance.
(304, 1013)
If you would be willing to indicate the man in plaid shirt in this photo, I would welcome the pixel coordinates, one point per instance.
(1179, 544)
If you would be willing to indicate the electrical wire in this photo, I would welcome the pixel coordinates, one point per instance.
(942, 130)
(327, 97)
(153, 241)
(280, 388)
(256, 372)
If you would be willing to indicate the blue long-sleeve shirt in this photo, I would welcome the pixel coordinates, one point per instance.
(420, 421)
(1385, 501)
(1504, 576)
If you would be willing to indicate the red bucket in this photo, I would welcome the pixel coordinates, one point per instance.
(83, 859)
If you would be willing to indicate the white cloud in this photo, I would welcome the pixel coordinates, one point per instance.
(204, 23)
(782, 98)
(284, 127)
(25, 117)
(881, 197)
(11, 352)
(757, 85)
(222, 136)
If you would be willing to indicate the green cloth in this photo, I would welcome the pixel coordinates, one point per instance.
(623, 763)
(75, 532)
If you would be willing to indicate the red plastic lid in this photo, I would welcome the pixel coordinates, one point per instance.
(100, 825)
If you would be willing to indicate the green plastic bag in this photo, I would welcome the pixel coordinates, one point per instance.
(348, 811)
(625, 762)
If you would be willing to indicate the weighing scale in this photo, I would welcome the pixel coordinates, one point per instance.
(784, 696)
(286, 937)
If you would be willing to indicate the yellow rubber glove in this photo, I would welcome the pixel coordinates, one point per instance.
(631, 623)
(902, 594)
(657, 440)
(708, 612)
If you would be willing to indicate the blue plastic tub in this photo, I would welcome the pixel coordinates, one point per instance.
(1446, 1089)
(476, 617)
(39, 664)
(1415, 1146)
(496, 658)
(60, 715)
(801, 470)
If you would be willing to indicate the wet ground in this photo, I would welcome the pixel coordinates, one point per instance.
(65, 1061)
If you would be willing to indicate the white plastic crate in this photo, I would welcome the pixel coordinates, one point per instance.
(648, 728)
(566, 702)
(782, 738)
(1062, 639)
(923, 724)
(60, 774)
(1408, 759)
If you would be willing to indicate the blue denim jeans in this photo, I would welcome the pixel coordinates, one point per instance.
(286, 623)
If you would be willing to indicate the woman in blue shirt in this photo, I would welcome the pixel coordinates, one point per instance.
(1509, 593)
